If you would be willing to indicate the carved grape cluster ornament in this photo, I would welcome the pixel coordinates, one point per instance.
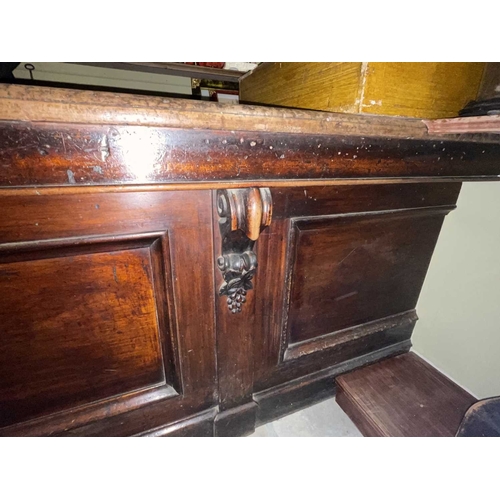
(243, 214)
(236, 299)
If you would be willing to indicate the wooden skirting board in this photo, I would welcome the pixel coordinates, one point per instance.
(403, 397)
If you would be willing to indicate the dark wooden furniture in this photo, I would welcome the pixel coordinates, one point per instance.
(178, 268)
(403, 397)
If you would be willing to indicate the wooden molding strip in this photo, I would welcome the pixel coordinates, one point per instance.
(200, 425)
(58, 105)
(334, 339)
(192, 186)
(70, 154)
(63, 420)
(285, 398)
(466, 125)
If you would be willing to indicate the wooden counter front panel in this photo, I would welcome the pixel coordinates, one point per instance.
(78, 329)
(350, 269)
(106, 323)
(340, 272)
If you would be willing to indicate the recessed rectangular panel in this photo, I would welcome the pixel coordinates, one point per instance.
(76, 329)
(349, 270)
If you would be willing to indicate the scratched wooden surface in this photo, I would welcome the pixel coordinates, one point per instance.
(106, 312)
(37, 104)
(51, 105)
(348, 271)
(323, 309)
(87, 335)
(92, 183)
(403, 397)
(84, 155)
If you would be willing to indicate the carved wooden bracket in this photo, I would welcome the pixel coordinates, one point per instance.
(243, 214)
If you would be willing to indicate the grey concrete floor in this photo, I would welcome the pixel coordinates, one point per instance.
(325, 419)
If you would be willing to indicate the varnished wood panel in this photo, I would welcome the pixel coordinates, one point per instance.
(74, 155)
(356, 268)
(358, 333)
(297, 393)
(378, 343)
(86, 241)
(403, 397)
(377, 209)
(51, 105)
(44, 218)
(90, 176)
(316, 201)
(77, 329)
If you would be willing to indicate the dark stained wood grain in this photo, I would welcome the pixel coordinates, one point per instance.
(315, 358)
(107, 323)
(199, 425)
(315, 201)
(203, 186)
(298, 393)
(243, 214)
(384, 316)
(237, 421)
(99, 218)
(73, 155)
(45, 218)
(403, 397)
(234, 341)
(270, 282)
(353, 269)
(75, 330)
(108, 257)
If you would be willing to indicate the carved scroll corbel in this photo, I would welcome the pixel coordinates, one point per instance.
(243, 214)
